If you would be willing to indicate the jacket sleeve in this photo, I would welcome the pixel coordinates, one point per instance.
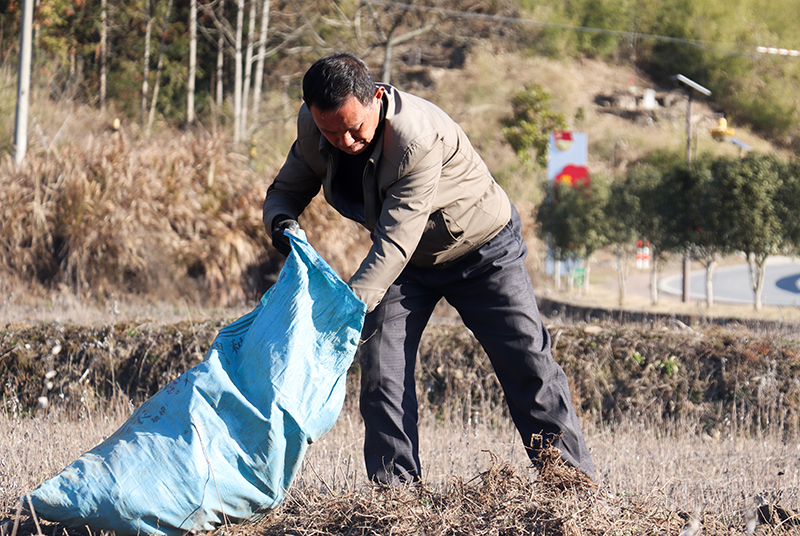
(298, 180)
(404, 214)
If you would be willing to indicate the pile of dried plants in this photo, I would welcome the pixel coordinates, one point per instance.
(556, 500)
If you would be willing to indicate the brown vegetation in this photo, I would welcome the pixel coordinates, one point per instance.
(688, 427)
(725, 380)
(113, 217)
(672, 484)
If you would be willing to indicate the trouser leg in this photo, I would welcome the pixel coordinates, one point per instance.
(387, 356)
(496, 301)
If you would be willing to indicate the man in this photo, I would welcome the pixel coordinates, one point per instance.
(441, 227)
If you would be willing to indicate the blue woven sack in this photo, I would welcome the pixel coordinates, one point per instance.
(223, 442)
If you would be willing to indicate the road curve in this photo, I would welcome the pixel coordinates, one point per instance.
(732, 283)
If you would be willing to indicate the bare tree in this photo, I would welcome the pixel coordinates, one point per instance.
(248, 63)
(224, 37)
(192, 62)
(390, 38)
(23, 83)
(103, 52)
(449, 24)
(146, 67)
(262, 46)
(159, 67)
(220, 59)
(228, 36)
(237, 78)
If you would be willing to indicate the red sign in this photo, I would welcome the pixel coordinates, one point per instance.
(574, 176)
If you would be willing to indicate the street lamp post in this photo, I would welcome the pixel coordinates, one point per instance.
(693, 86)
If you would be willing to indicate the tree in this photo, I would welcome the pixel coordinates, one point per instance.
(529, 127)
(622, 212)
(146, 61)
(395, 34)
(788, 204)
(645, 184)
(695, 223)
(262, 48)
(23, 84)
(103, 52)
(712, 237)
(574, 220)
(220, 61)
(192, 62)
(159, 67)
(682, 212)
(248, 64)
(748, 189)
(604, 14)
(237, 77)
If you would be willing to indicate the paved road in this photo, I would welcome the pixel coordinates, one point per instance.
(732, 283)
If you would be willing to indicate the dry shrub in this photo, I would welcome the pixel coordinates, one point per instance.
(175, 218)
(556, 500)
(172, 218)
(721, 382)
(724, 380)
(76, 369)
(113, 217)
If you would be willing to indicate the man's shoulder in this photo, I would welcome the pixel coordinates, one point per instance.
(410, 118)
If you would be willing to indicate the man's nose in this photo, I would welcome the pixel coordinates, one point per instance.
(347, 139)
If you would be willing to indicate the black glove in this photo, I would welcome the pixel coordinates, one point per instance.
(280, 241)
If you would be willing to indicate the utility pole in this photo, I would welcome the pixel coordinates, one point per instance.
(24, 83)
(687, 258)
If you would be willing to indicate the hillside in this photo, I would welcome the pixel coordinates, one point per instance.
(191, 200)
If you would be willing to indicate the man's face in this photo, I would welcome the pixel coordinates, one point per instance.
(351, 127)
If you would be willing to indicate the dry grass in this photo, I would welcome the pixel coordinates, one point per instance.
(652, 479)
(114, 217)
(660, 467)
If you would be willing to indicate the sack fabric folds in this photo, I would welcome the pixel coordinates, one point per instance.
(223, 442)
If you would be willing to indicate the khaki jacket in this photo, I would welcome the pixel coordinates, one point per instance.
(429, 198)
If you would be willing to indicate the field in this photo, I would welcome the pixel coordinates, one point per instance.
(686, 446)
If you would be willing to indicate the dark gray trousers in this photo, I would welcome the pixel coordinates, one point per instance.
(492, 291)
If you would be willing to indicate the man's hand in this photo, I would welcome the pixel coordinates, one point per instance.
(280, 241)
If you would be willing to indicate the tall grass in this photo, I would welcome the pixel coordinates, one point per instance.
(172, 220)
(176, 218)
(108, 216)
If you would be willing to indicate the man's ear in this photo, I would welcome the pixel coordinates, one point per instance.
(379, 91)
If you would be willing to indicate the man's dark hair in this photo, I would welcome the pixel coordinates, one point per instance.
(333, 78)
